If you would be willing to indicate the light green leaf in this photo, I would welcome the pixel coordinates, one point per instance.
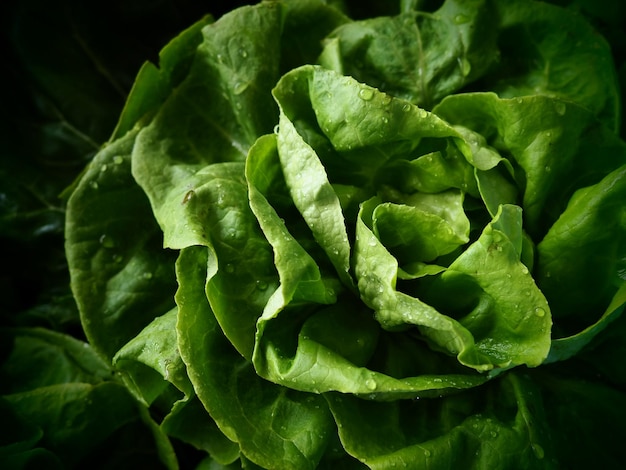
(274, 426)
(579, 260)
(120, 276)
(420, 57)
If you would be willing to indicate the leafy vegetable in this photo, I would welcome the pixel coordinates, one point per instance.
(330, 235)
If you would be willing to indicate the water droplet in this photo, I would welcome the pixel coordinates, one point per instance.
(385, 100)
(106, 241)
(372, 242)
(188, 195)
(366, 94)
(461, 19)
(385, 119)
(147, 275)
(330, 292)
(493, 434)
(540, 311)
(427, 453)
(103, 168)
(524, 269)
(240, 87)
(371, 384)
(548, 168)
(243, 53)
(464, 65)
(93, 184)
(548, 134)
(276, 129)
(261, 285)
(538, 450)
(118, 159)
(406, 108)
(118, 259)
(229, 268)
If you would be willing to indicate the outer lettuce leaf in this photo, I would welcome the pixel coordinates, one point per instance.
(459, 430)
(214, 115)
(580, 258)
(549, 142)
(151, 360)
(420, 57)
(551, 51)
(71, 410)
(152, 85)
(567, 347)
(274, 426)
(515, 48)
(121, 278)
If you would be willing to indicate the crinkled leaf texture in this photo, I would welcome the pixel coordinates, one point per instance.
(348, 264)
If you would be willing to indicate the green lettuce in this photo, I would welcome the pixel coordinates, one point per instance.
(322, 237)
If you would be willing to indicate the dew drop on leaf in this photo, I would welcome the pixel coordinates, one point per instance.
(240, 87)
(106, 241)
(370, 384)
(366, 94)
(464, 65)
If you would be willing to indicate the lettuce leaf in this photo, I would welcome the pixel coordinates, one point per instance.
(321, 239)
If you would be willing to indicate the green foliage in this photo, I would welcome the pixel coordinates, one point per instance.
(330, 235)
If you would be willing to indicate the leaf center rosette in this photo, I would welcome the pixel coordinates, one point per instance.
(401, 269)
